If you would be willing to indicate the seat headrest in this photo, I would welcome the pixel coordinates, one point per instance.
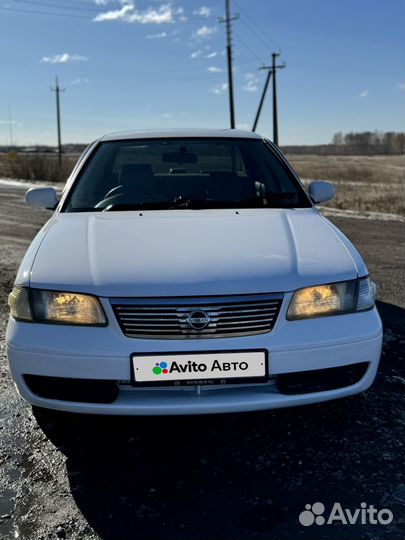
(136, 175)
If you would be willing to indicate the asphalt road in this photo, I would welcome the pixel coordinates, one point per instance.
(224, 477)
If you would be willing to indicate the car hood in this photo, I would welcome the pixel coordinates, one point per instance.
(190, 253)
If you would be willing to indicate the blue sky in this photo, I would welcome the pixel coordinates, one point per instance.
(135, 64)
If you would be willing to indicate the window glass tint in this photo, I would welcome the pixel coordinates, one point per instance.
(219, 157)
(197, 172)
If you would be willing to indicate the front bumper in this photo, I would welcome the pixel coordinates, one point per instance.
(104, 354)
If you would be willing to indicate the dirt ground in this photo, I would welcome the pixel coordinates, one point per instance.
(224, 477)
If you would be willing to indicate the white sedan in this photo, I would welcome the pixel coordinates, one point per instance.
(189, 272)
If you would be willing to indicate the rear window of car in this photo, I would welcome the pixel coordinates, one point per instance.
(184, 173)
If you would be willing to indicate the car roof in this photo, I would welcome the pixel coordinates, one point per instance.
(181, 133)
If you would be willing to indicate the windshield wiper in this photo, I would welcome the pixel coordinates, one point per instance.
(199, 204)
(171, 204)
(177, 202)
(267, 199)
(159, 205)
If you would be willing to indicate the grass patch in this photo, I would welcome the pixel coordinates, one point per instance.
(36, 167)
(375, 169)
(363, 183)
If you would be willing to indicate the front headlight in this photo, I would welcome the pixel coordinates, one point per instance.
(56, 307)
(332, 299)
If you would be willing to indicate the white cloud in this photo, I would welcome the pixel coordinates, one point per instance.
(203, 11)
(157, 36)
(212, 54)
(163, 14)
(214, 69)
(11, 123)
(364, 94)
(63, 58)
(250, 82)
(251, 88)
(100, 2)
(243, 126)
(128, 13)
(180, 14)
(167, 115)
(79, 80)
(219, 88)
(206, 31)
(115, 14)
(195, 54)
(401, 86)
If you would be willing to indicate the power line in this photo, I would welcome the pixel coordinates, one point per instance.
(91, 11)
(255, 34)
(264, 36)
(248, 48)
(46, 13)
(158, 71)
(140, 77)
(47, 4)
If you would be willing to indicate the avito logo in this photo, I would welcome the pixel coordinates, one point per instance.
(195, 367)
(160, 367)
(175, 367)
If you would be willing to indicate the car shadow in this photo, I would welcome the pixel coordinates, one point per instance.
(237, 476)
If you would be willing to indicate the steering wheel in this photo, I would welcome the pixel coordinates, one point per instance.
(114, 191)
(120, 194)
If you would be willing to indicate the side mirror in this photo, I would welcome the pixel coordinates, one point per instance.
(321, 191)
(42, 197)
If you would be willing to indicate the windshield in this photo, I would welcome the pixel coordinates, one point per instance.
(160, 174)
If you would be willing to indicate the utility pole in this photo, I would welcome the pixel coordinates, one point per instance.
(10, 126)
(259, 110)
(57, 91)
(272, 70)
(228, 20)
(275, 113)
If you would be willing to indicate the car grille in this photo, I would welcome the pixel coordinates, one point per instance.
(188, 318)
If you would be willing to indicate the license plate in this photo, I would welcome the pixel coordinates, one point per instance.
(203, 368)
